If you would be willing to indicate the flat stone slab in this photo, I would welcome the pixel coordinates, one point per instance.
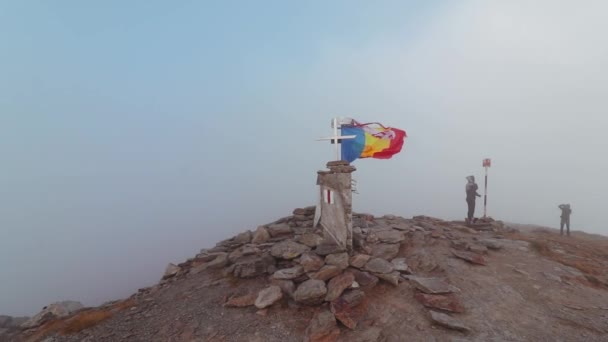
(289, 273)
(288, 249)
(441, 302)
(390, 236)
(379, 266)
(385, 250)
(448, 322)
(431, 285)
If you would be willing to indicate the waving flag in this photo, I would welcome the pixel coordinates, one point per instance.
(372, 140)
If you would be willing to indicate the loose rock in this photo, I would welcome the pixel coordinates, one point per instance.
(288, 249)
(279, 229)
(385, 251)
(400, 265)
(337, 285)
(322, 328)
(359, 260)
(390, 236)
(311, 292)
(241, 301)
(340, 260)
(391, 278)
(171, 271)
(448, 322)
(378, 265)
(326, 249)
(288, 273)
(469, 257)
(261, 235)
(326, 272)
(442, 302)
(310, 240)
(311, 262)
(431, 285)
(268, 296)
(364, 279)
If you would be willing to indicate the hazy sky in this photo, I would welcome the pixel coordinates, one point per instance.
(134, 133)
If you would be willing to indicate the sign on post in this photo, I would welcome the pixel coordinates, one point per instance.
(487, 163)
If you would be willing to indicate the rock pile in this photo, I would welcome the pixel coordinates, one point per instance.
(299, 265)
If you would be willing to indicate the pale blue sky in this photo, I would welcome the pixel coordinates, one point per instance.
(133, 133)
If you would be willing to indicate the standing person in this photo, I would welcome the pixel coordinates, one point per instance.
(565, 218)
(471, 190)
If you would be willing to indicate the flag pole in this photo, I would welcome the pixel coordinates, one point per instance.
(485, 195)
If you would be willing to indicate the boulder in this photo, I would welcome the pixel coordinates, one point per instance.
(310, 240)
(287, 286)
(279, 229)
(253, 266)
(337, 285)
(289, 273)
(241, 301)
(391, 278)
(364, 279)
(322, 328)
(53, 311)
(385, 251)
(311, 292)
(326, 272)
(220, 260)
(340, 260)
(378, 265)
(244, 237)
(261, 235)
(311, 262)
(171, 271)
(326, 249)
(288, 249)
(359, 260)
(390, 236)
(268, 296)
(400, 265)
(448, 322)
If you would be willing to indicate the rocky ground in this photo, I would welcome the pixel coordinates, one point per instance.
(419, 279)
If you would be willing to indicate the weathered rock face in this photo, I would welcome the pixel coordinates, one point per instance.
(337, 285)
(322, 328)
(55, 310)
(253, 266)
(288, 273)
(268, 296)
(340, 260)
(261, 236)
(385, 251)
(311, 262)
(288, 249)
(377, 265)
(311, 292)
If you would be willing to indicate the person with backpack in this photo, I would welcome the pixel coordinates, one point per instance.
(565, 218)
(471, 191)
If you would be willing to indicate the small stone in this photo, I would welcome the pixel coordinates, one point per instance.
(268, 296)
(431, 285)
(378, 265)
(469, 257)
(263, 312)
(326, 272)
(261, 235)
(171, 271)
(288, 273)
(400, 265)
(340, 260)
(311, 262)
(288, 249)
(448, 322)
(310, 240)
(359, 260)
(279, 229)
(385, 251)
(391, 278)
(322, 328)
(311, 292)
(442, 302)
(337, 285)
(241, 301)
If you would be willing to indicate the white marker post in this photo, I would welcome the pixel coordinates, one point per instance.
(486, 163)
(336, 123)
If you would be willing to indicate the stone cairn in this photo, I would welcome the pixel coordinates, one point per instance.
(294, 259)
